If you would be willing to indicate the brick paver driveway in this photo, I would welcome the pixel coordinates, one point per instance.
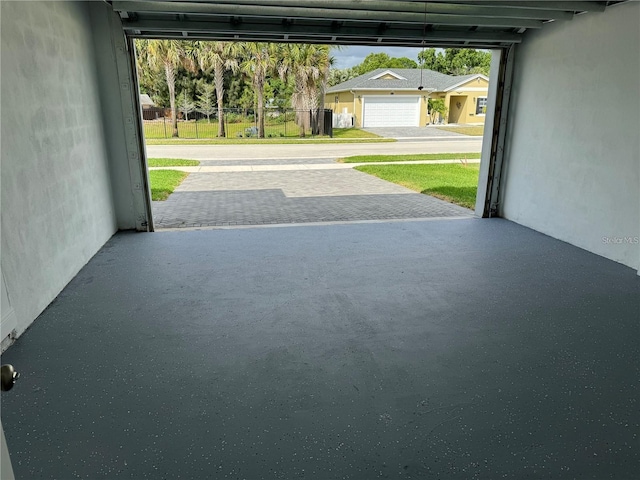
(308, 194)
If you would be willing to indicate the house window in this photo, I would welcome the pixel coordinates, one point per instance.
(481, 105)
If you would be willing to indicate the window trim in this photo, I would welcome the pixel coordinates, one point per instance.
(478, 104)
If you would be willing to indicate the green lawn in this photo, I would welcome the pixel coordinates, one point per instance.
(353, 133)
(204, 130)
(171, 162)
(159, 133)
(451, 182)
(406, 158)
(473, 130)
(164, 182)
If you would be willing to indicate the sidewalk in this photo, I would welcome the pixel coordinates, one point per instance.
(313, 166)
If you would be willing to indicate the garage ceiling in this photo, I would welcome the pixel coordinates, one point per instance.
(440, 23)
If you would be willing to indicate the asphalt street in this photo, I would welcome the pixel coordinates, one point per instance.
(315, 150)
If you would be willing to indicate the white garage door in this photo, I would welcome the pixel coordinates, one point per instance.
(391, 111)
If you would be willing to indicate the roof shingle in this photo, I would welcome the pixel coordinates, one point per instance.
(414, 77)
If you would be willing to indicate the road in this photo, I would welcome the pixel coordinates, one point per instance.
(328, 150)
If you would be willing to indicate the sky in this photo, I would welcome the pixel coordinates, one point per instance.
(352, 56)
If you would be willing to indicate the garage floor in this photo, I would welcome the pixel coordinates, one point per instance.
(427, 349)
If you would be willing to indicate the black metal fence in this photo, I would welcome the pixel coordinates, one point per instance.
(242, 124)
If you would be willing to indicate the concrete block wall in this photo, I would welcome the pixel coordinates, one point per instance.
(56, 195)
(572, 152)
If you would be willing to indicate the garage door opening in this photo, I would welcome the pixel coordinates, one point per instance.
(243, 133)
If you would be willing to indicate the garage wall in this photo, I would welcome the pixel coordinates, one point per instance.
(55, 187)
(572, 154)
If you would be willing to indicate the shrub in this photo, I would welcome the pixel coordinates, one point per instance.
(276, 118)
(234, 118)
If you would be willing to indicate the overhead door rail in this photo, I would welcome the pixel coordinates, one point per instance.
(450, 23)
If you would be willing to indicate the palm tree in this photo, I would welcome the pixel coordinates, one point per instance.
(309, 65)
(219, 57)
(259, 61)
(327, 61)
(169, 55)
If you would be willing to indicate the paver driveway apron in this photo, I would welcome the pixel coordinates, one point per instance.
(290, 190)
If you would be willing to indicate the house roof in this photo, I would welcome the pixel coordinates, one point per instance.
(410, 78)
(146, 100)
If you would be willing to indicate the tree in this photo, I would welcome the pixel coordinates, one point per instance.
(341, 75)
(456, 61)
(259, 61)
(167, 55)
(324, 80)
(465, 61)
(206, 103)
(247, 100)
(279, 91)
(430, 60)
(382, 60)
(309, 65)
(150, 80)
(219, 57)
(186, 105)
(437, 108)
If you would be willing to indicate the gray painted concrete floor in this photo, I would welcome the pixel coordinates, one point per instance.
(296, 196)
(426, 349)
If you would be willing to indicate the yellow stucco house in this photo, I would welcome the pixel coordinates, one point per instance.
(392, 98)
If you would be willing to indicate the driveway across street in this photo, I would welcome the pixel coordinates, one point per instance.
(228, 190)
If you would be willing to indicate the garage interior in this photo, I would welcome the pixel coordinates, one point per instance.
(472, 348)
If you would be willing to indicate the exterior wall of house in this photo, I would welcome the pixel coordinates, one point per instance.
(477, 87)
(338, 102)
(571, 163)
(467, 95)
(57, 205)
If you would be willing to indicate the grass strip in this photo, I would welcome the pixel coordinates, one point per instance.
(410, 157)
(171, 162)
(474, 131)
(164, 182)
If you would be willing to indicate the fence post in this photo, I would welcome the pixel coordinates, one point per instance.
(164, 120)
(196, 128)
(285, 123)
